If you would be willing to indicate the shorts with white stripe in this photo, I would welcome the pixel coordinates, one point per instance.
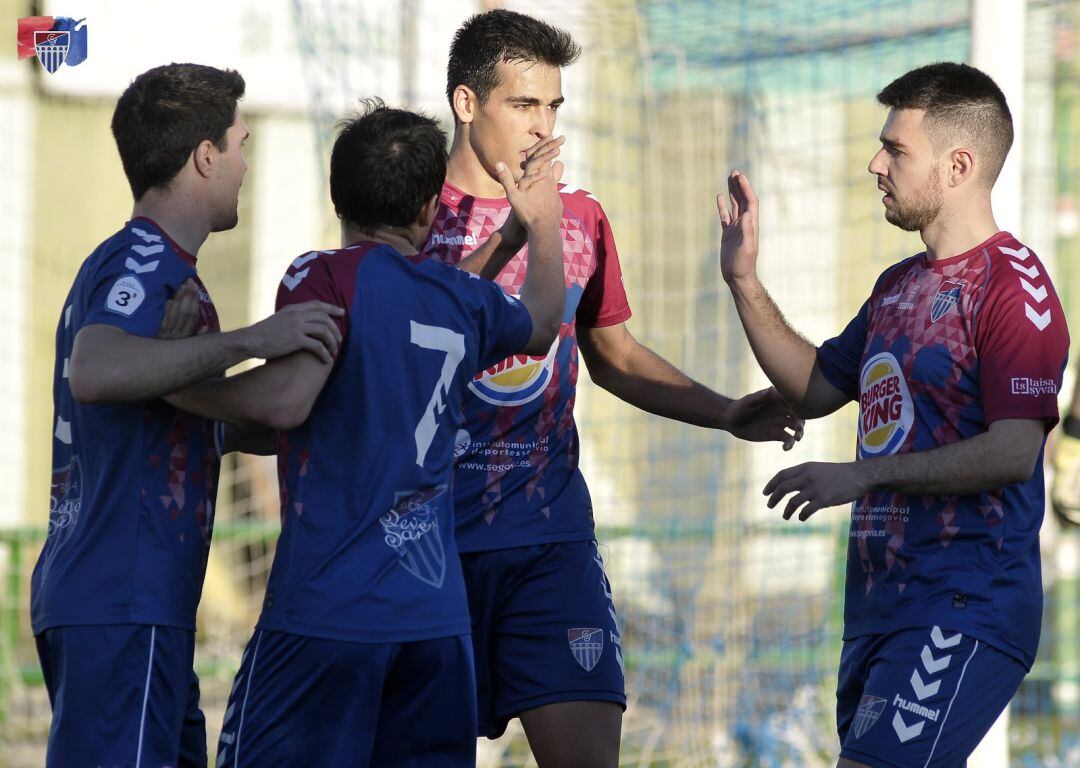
(920, 698)
(122, 695)
(308, 701)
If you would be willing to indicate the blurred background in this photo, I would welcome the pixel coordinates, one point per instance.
(731, 617)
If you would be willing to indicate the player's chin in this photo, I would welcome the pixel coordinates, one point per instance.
(226, 222)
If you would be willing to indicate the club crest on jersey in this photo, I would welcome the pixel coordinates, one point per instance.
(51, 48)
(517, 379)
(587, 645)
(948, 296)
(870, 709)
(886, 411)
(411, 529)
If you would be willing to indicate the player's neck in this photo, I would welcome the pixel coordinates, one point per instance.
(955, 232)
(465, 171)
(401, 239)
(179, 220)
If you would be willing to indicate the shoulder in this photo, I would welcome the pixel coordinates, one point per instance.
(892, 274)
(1016, 277)
(1010, 263)
(581, 202)
(141, 254)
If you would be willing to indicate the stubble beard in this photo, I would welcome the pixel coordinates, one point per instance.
(923, 208)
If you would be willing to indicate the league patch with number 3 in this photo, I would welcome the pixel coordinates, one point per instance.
(126, 295)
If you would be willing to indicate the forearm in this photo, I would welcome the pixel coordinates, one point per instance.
(119, 367)
(278, 395)
(237, 400)
(783, 354)
(544, 290)
(489, 259)
(981, 463)
(649, 382)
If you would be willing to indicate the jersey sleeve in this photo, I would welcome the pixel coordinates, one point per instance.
(130, 292)
(310, 278)
(604, 302)
(503, 322)
(839, 358)
(1022, 344)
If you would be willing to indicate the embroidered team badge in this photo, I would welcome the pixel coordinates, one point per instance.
(411, 529)
(947, 297)
(870, 709)
(52, 49)
(587, 645)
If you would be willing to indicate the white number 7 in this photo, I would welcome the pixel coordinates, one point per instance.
(453, 344)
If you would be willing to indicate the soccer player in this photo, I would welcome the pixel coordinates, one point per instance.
(955, 360)
(544, 629)
(362, 653)
(114, 591)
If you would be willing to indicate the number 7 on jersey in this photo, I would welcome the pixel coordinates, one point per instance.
(453, 344)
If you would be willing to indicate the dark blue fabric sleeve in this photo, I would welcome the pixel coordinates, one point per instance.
(840, 357)
(129, 291)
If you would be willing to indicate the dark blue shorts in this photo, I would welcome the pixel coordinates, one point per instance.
(122, 695)
(920, 697)
(544, 630)
(309, 701)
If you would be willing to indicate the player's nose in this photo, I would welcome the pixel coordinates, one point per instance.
(877, 163)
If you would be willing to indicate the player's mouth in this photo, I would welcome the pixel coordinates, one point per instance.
(888, 198)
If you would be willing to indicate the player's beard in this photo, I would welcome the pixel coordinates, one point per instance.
(918, 212)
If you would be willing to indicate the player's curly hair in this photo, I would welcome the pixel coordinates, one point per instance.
(500, 36)
(165, 113)
(386, 163)
(961, 103)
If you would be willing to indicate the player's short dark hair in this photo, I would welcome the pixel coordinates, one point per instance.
(959, 101)
(385, 165)
(488, 39)
(165, 113)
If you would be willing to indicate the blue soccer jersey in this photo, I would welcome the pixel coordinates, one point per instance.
(367, 550)
(517, 481)
(133, 484)
(940, 351)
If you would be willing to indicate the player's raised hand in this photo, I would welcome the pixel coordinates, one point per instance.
(538, 159)
(307, 326)
(536, 203)
(182, 314)
(739, 222)
(764, 416)
(817, 485)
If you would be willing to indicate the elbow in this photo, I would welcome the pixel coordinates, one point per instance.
(1020, 469)
(544, 334)
(84, 386)
(285, 414)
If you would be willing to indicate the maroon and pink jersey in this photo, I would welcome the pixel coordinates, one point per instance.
(940, 351)
(517, 481)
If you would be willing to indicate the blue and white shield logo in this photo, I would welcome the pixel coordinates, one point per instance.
(51, 48)
(411, 529)
(947, 297)
(870, 709)
(587, 645)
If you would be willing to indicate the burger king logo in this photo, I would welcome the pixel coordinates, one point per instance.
(886, 412)
(517, 379)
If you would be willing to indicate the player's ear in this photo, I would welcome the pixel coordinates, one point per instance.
(465, 104)
(427, 212)
(961, 167)
(204, 156)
